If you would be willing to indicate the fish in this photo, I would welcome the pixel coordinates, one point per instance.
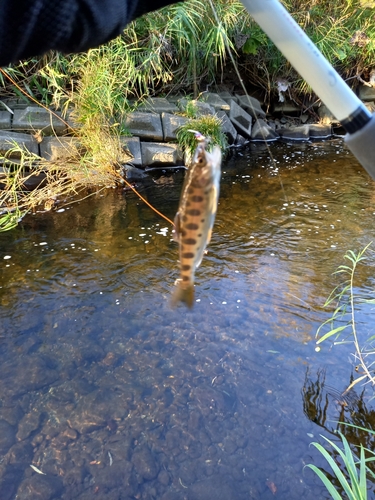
(196, 216)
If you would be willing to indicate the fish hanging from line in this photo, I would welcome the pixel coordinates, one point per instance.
(196, 215)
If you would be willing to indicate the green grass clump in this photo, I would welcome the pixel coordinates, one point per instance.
(207, 125)
(353, 478)
(345, 299)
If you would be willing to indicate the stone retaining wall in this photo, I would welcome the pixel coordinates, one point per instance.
(153, 126)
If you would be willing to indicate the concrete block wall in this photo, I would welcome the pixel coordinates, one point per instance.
(153, 127)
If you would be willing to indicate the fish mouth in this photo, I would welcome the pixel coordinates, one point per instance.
(200, 137)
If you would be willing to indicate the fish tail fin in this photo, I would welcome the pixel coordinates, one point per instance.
(183, 294)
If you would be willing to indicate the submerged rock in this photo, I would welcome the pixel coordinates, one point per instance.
(215, 487)
(144, 463)
(7, 436)
(24, 375)
(40, 487)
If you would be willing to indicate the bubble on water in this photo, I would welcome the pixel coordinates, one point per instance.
(43, 243)
(224, 302)
(7, 257)
(142, 234)
(197, 300)
(60, 210)
(130, 238)
(317, 348)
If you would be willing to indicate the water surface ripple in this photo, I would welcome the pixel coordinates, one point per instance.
(113, 395)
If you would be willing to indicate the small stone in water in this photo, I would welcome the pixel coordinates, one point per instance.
(43, 243)
(6, 257)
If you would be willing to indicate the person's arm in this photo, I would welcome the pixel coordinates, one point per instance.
(32, 27)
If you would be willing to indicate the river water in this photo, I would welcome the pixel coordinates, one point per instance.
(114, 395)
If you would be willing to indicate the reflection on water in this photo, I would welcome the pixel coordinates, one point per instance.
(332, 411)
(114, 395)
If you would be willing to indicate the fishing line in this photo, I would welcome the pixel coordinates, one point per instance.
(147, 203)
(230, 53)
(33, 98)
(67, 124)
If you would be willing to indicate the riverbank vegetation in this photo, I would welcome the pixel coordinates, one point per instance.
(183, 48)
(351, 461)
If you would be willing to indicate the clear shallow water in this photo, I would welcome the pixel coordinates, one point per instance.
(114, 395)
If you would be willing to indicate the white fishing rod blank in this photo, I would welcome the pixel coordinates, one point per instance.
(314, 68)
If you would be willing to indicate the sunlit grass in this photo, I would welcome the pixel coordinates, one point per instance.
(350, 467)
(342, 323)
(209, 126)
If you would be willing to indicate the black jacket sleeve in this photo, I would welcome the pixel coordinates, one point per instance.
(32, 27)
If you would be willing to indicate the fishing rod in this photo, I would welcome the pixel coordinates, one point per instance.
(310, 63)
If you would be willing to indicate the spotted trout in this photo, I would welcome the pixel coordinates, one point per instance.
(196, 215)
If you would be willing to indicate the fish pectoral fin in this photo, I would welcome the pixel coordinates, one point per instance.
(176, 227)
